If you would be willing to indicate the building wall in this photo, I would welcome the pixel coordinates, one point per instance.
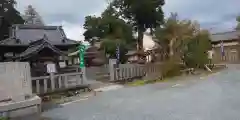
(148, 43)
(231, 54)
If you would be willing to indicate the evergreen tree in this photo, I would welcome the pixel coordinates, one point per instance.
(238, 23)
(8, 16)
(141, 14)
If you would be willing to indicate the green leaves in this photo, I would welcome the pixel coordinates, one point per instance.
(109, 45)
(184, 38)
(3, 118)
(10, 16)
(8, 11)
(122, 17)
(238, 23)
(196, 54)
(109, 24)
(174, 34)
(93, 28)
(141, 14)
(111, 30)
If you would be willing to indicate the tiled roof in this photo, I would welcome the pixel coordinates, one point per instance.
(36, 47)
(225, 36)
(1, 20)
(25, 34)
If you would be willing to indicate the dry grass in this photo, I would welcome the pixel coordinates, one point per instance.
(202, 73)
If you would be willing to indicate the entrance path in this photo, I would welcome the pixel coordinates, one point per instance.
(215, 97)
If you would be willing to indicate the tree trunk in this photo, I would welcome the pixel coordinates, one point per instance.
(140, 44)
(171, 51)
(140, 40)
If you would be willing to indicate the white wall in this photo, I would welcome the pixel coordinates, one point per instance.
(148, 42)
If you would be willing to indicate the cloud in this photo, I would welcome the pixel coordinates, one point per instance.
(211, 14)
(74, 9)
(215, 15)
(73, 31)
(68, 13)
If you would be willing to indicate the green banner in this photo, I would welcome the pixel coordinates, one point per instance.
(82, 49)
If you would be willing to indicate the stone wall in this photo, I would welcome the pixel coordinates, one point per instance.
(133, 71)
(15, 80)
(16, 98)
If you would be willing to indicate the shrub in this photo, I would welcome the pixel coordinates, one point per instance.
(3, 118)
(171, 68)
(196, 56)
(137, 83)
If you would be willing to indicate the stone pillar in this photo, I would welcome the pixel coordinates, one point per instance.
(16, 80)
(52, 81)
(112, 63)
(16, 90)
(84, 78)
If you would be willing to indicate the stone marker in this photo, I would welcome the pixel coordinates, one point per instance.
(3, 94)
(16, 79)
(16, 97)
(112, 63)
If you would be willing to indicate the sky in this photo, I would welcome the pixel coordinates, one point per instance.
(215, 15)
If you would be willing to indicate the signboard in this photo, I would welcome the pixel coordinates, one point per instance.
(82, 49)
(62, 64)
(51, 68)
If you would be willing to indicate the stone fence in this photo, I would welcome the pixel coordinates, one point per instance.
(132, 71)
(57, 82)
(61, 82)
(17, 85)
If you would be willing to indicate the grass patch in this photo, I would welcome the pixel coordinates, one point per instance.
(137, 83)
(145, 82)
(3, 118)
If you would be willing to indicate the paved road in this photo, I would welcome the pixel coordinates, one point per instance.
(216, 97)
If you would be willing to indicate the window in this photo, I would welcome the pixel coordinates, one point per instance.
(9, 54)
(233, 51)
